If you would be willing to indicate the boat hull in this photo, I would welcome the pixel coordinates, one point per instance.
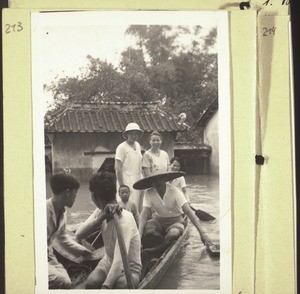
(79, 272)
(157, 272)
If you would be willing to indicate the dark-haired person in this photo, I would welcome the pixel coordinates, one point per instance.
(155, 159)
(180, 183)
(109, 272)
(64, 188)
(127, 204)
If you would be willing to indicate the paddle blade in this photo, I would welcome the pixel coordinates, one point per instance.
(204, 216)
(213, 250)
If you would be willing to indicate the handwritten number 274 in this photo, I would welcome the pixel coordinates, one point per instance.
(269, 31)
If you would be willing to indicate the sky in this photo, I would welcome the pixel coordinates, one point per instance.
(62, 40)
(74, 43)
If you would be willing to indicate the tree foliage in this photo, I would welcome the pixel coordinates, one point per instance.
(178, 63)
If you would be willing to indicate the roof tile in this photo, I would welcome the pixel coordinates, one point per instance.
(112, 117)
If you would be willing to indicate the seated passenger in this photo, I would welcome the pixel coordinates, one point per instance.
(64, 188)
(109, 272)
(89, 227)
(167, 223)
(178, 182)
(124, 193)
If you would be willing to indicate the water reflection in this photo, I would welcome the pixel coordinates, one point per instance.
(193, 268)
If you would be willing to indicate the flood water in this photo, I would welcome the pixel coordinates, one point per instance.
(193, 268)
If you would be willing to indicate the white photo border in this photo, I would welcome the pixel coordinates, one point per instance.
(39, 20)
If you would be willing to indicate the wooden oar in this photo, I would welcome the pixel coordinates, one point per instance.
(202, 215)
(124, 255)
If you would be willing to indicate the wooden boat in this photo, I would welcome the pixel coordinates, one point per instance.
(155, 274)
(78, 272)
(153, 269)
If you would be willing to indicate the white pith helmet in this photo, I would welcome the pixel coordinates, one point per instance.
(132, 127)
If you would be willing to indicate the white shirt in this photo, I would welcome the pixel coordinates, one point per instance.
(54, 228)
(156, 162)
(85, 227)
(132, 242)
(179, 183)
(58, 237)
(168, 206)
(131, 158)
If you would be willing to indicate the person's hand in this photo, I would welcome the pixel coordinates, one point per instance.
(205, 239)
(110, 209)
(76, 239)
(87, 254)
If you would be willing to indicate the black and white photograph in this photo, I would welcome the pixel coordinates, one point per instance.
(132, 151)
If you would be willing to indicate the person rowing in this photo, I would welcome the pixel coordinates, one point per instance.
(168, 204)
(110, 272)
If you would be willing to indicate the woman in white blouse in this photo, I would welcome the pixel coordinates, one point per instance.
(155, 159)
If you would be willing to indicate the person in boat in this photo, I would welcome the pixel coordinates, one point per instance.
(80, 233)
(127, 204)
(180, 183)
(64, 187)
(168, 204)
(128, 161)
(155, 159)
(109, 272)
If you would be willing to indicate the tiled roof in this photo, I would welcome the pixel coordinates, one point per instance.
(111, 117)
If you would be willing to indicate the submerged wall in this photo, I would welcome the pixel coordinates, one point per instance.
(211, 138)
(84, 153)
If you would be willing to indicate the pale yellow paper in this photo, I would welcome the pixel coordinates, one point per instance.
(18, 173)
(265, 6)
(18, 143)
(243, 55)
(275, 266)
(18, 147)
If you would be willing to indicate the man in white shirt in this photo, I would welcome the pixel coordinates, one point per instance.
(168, 204)
(128, 162)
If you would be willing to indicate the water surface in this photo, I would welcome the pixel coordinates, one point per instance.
(193, 268)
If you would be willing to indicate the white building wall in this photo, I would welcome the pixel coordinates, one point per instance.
(211, 137)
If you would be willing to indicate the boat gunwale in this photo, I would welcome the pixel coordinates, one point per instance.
(153, 277)
(165, 261)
